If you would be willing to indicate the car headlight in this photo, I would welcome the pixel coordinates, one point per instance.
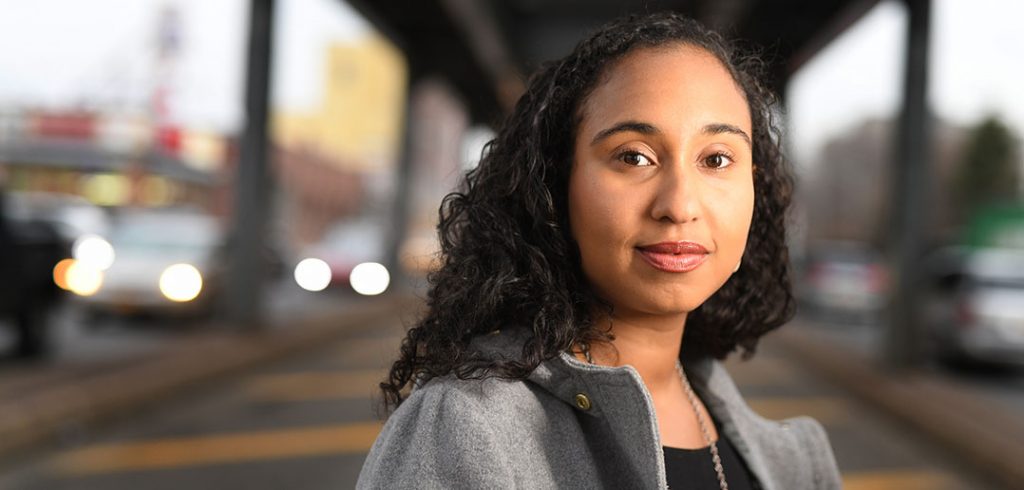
(369, 278)
(181, 282)
(60, 273)
(94, 251)
(79, 277)
(313, 274)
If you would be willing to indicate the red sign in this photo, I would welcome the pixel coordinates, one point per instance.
(68, 125)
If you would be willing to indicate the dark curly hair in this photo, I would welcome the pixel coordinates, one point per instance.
(508, 259)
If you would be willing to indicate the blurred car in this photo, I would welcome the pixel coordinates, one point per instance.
(156, 261)
(843, 281)
(348, 257)
(29, 250)
(974, 309)
(72, 216)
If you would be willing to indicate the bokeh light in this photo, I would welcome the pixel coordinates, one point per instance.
(83, 278)
(60, 273)
(94, 251)
(370, 278)
(313, 274)
(181, 282)
(107, 189)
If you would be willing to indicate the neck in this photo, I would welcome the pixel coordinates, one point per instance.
(648, 343)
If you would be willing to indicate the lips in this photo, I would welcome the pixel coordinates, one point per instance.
(674, 256)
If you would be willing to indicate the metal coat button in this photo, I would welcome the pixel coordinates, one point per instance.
(582, 401)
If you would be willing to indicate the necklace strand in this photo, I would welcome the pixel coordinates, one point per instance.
(704, 428)
(715, 458)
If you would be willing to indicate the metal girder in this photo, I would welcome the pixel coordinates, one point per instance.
(434, 43)
(486, 48)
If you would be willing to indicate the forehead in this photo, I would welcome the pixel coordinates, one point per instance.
(669, 83)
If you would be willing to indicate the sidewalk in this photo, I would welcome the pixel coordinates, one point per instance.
(987, 437)
(46, 402)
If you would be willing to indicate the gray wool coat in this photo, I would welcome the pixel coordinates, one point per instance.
(574, 425)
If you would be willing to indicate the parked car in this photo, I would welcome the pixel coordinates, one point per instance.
(163, 262)
(843, 281)
(73, 216)
(348, 257)
(974, 309)
(29, 251)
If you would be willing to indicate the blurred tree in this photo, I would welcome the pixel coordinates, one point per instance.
(989, 168)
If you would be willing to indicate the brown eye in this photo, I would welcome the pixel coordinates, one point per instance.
(718, 161)
(635, 159)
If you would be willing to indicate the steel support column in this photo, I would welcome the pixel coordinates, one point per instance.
(910, 185)
(247, 241)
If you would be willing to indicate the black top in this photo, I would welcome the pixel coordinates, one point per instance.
(693, 469)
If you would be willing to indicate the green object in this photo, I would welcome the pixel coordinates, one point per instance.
(997, 226)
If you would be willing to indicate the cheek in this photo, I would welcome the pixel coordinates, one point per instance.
(600, 222)
(577, 197)
(743, 215)
(590, 209)
(733, 213)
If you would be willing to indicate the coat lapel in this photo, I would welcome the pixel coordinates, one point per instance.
(741, 425)
(565, 377)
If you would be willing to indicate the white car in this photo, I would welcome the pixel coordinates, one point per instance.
(843, 281)
(73, 216)
(348, 257)
(975, 309)
(158, 261)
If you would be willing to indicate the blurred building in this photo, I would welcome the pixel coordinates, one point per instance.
(110, 159)
(119, 153)
(847, 191)
(437, 147)
(335, 158)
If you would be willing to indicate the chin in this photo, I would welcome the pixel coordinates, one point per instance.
(670, 304)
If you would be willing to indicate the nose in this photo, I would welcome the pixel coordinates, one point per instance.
(677, 197)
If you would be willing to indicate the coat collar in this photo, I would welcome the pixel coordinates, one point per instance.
(565, 377)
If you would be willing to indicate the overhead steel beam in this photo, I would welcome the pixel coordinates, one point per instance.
(435, 44)
(846, 17)
(485, 48)
(481, 30)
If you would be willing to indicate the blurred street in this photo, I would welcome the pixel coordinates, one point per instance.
(307, 421)
(96, 372)
(79, 341)
(204, 275)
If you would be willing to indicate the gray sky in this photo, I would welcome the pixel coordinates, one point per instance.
(58, 53)
(61, 52)
(976, 69)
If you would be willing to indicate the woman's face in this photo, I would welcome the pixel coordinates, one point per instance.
(661, 191)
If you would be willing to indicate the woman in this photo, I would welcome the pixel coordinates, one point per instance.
(622, 233)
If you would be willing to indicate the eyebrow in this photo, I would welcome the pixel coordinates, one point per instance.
(720, 128)
(626, 126)
(649, 129)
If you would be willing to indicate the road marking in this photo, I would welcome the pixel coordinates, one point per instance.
(219, 449)
(309, 386)
(825, 409)
(899, 480)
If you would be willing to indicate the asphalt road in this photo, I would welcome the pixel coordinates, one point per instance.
(999, 386)
(302, 423)
(75, 340)
(308, 421)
